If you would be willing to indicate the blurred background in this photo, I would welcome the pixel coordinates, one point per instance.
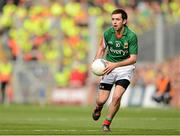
(47, 46)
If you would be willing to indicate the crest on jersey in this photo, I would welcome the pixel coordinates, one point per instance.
(125, 45)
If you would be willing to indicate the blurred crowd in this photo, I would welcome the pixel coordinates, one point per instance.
(165, 77)
(56, 32)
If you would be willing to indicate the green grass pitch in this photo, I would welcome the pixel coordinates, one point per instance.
(67, 120)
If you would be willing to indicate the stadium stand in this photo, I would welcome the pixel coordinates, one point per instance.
(54, 35)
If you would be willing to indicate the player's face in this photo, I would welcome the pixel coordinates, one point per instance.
(117, 21)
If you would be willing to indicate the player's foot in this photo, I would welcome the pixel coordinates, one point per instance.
(97, 113)
(106, 128)
(106, 125)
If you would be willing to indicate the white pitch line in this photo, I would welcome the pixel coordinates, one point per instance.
(82, 119)
(54, 130)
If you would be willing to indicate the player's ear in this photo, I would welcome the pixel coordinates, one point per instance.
(124, 21)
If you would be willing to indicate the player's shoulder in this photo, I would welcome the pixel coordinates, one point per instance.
(108, 31)
(130, 32)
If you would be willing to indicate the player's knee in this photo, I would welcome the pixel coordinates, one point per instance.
(101, 102)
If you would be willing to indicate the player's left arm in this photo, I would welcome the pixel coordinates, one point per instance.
(129, 61)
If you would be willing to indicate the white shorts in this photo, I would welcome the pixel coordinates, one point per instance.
(125, 72)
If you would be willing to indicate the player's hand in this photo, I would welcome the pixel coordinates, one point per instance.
(109, 67)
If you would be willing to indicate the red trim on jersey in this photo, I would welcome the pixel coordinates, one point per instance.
(119, 36)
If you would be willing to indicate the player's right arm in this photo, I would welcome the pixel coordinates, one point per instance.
(101, 49)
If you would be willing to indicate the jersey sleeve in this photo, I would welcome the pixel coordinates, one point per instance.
(133, 45)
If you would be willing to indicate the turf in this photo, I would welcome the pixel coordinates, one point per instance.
(66, 120)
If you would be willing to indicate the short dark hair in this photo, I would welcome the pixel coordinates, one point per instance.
(122, 12)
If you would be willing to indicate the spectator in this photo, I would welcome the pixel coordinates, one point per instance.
(5, 77)
(163, 92)
(34, 54)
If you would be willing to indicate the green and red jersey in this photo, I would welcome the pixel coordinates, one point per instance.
(120, 48)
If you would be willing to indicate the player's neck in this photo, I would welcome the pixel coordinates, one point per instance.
(120, 31)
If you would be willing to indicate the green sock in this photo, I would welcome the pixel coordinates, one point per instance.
(109, 119)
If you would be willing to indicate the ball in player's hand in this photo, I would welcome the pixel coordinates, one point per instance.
(98, 67)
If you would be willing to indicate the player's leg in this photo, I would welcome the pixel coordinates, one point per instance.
(102, 97)
(120, 88)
